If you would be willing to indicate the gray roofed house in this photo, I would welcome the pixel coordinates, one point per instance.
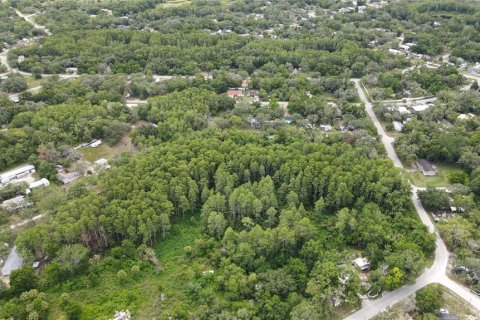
(14, 262)
(16, 203)
(425, 167)
(67, 177)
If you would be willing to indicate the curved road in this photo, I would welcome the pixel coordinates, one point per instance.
(437, 272)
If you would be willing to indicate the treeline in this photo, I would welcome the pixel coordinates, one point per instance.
(134, 51)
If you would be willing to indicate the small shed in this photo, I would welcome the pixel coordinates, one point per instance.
(71, 70)
(102, 162)
(326, 127)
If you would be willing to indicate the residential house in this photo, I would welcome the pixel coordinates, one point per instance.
(403, 110)
(17, 173)
(420, 107)
(122, 315)
(19, 202)
(475, 69)
(67, 177)
(425, 167)
(463, 116)
(362, 263)
(233, 93)
(395, 52)
(444, 314)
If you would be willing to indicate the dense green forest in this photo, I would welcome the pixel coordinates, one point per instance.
(196, 51)
(269, 211)
(245, 175)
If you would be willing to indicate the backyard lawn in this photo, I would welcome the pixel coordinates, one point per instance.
(106, 151)
(440, 180)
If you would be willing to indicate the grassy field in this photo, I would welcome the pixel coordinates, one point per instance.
(32, 82)
(106, 151)
(440, 180)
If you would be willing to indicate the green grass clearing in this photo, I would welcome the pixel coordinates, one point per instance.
(440, 180)
(106, 151)
(141, 294)
(32, 82)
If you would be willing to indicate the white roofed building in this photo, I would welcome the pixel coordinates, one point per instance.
(103, 163)
(17, 173)
(362, 263)
(397, 126)
(39, 183)
(95, 143)
(421, 107)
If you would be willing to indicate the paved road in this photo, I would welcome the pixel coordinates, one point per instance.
(437, 272)
(386, 140)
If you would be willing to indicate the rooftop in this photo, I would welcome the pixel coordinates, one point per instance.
(426, 166)
(12, 173)
(14, 262)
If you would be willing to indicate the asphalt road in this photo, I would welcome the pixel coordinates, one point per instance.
(437, 272)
